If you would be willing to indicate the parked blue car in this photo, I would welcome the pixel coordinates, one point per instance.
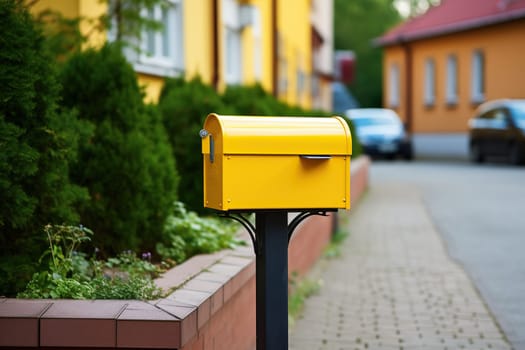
(381, 132)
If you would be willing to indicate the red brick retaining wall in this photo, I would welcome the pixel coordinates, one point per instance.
(214, 307)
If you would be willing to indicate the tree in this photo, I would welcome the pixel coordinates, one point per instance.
(125, 21)
(412, 8)
(128, 20)
(37, 145)
(356, 24)
(62, 34)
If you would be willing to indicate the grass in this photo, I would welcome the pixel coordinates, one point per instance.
(333, 250)
(301, 290)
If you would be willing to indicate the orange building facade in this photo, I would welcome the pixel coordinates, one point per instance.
(439, 67)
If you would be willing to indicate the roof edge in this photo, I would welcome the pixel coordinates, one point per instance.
(450, 28)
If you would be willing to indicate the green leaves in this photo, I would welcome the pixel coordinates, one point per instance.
(186, 234)
(70, 275)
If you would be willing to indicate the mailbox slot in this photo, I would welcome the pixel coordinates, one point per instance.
(292, 163)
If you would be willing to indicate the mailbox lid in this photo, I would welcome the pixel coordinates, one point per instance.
(279, 135)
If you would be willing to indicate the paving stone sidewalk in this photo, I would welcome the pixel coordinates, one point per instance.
(394, 286)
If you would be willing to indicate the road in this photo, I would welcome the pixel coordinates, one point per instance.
(479, 211)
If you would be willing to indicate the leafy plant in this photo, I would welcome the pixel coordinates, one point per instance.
(44, 285)
(187, 234)
(134, 287)
(129, 263)
(63, 243)
(71, 275)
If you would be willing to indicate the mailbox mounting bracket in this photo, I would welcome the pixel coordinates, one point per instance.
(249, 226)
(245, 222)
(271, 236)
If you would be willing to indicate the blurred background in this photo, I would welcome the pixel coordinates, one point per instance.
(102, 102)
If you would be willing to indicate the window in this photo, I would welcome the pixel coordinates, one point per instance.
(232, 41)
(452, 80)
(493, 119)
(393, 86)
(233, 55)
(157, 52)
(478, 77)
(430, 82)
(162, 51)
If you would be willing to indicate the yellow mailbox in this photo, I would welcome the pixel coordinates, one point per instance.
(276, 163)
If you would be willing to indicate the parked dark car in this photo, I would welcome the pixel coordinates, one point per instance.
(381, 132)
(498, 129)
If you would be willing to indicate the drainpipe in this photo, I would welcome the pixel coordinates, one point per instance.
(275, 53)
(215, 44)
(408, 81)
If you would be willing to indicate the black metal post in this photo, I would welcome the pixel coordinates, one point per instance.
(271, 230)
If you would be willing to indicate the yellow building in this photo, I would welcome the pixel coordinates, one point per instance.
(440, 66)
(229, 42)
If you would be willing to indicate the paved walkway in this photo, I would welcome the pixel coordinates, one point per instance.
(394, 286)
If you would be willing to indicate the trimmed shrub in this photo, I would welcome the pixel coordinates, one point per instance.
(37, 144)
(184, 106)
(127, 165)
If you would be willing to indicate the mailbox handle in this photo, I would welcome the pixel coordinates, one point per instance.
(319, 157)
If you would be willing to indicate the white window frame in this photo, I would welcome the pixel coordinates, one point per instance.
(232, 33)
(451, 92)
(478, 77)
(168, 57)
(430, 82)
(393, 86)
